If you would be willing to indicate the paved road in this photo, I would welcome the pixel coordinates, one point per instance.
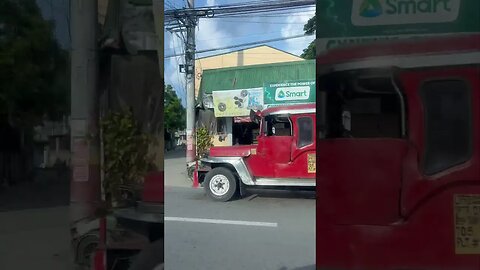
(266, 230)
(35, 239)
(34, 229)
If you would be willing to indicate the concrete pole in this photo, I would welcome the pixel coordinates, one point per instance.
(159, 18)
(190, 71)
(85, 190)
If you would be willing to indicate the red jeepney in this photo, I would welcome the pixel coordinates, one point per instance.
(284, 155)
(398, 184)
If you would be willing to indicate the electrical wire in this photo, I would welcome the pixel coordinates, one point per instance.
(244, 44)
(180, 81)
(243, 20)
(237, 37)
(242, 8)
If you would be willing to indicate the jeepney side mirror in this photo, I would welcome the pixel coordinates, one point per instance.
(254, 117)
(347, 120)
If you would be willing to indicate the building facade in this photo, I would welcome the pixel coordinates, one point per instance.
(231, 93)
(263, 54)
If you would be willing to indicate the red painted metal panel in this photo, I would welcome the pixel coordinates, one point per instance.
(359, 180)
(153, 187)
(299, 156)
(425, 241)
(231, 151)
(423, 235)
(286, 108)
(273, 153)
(417, 188)
(438, 45)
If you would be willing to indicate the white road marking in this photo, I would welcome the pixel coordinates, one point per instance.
(223, 221)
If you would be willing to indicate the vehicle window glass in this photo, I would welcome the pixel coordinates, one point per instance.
(448, 124)
(278, 125)
(305, 131)
(363, 107)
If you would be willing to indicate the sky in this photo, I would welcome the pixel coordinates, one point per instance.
(222, 32)
(58, 10)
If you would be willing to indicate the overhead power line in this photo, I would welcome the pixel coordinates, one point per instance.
(242, 45)
(178, 19)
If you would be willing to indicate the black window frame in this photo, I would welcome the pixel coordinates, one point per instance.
(312, 132)
(429, 171)
(267, 127)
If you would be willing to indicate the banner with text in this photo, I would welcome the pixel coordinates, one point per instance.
(288, 93)
(231, 103)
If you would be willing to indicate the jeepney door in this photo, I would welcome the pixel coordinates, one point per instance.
(274, 146)
(360, 160)
(441, 175)
(444, 117)
(303, 146)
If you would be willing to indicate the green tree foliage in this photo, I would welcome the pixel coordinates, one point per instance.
(175, 113)
(33, 68)
(310, 27)
(126, 154)
(204, 141)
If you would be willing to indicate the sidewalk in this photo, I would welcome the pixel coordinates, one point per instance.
(34, 229)
(35, 239)
(176, 168)
(35, 195)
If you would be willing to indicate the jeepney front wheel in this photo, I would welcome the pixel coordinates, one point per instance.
(220, 184)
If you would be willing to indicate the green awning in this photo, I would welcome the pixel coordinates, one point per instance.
(255, 76)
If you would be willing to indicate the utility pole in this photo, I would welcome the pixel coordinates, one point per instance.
(85, 190)
(191, 22)
(158, 16)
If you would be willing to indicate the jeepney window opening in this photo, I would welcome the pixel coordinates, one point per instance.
(370, 100)
(277, 125)
(305, 131)
(244, 133)
(221, 125)
(448, 124)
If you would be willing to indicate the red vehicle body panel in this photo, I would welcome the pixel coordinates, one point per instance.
(351, 184)
(272, 158)
(375, 207)
(153, 187)
(416, 187)
(443, 45)
(277, 109)
(230, 151)
(276, 156)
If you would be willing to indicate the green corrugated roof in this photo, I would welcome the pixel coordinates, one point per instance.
(255, 75)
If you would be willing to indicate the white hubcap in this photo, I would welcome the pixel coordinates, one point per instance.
(219, 185)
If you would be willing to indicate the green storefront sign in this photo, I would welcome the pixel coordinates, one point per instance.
(358, 21)
(285, 93)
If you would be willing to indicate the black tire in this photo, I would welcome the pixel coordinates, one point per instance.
(232, 184)
(150, 257)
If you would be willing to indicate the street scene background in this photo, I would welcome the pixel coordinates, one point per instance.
(286, 242)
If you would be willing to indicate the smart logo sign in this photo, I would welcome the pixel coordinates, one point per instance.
(394, 12)
(292, 93)
(289, 92)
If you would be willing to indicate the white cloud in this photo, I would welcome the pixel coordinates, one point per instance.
(210, 33)
(294, 27)
(172, 75)
(214, 33)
